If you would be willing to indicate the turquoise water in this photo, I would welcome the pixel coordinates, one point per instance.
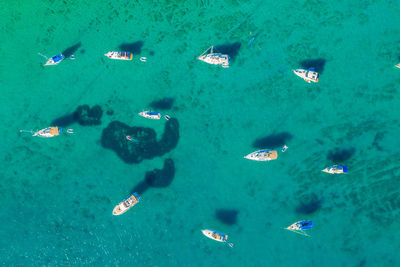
(58, 193)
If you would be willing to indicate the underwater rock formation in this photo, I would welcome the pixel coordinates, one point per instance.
(85, 115)
(161, 178)
(227, 216)
(144, 143)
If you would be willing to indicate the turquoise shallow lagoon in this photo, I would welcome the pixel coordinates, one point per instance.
(57, 194)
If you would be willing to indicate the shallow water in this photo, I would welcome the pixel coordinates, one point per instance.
(58, 193)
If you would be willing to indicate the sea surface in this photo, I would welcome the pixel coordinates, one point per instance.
(57, 194)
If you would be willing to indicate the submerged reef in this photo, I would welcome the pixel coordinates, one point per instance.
(227, 216)
(85, 115)
(144, 144)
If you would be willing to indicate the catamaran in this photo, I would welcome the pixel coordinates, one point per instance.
(263, 155)
(125, 205)
(215, 58)
(300, 226)
(217, 236)
(55, 60)
(154, 115)
(308, 75)
(119, 55)
(49, 132)
(335, 169)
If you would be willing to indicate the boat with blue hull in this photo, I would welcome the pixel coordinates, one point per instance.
(55, 60)
(300, 226)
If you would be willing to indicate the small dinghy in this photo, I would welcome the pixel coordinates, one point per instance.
(308, 75)
(263, 155)
(215, 58)
(119, 55)
(300, 226)
(335, 169)
(55, 60)
(49, 132)
(217, 236)
(125, 205)
(154, 115)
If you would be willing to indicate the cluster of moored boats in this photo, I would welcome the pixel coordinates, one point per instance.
(211, 57)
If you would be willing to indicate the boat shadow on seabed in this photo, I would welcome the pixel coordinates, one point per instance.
(157, 178)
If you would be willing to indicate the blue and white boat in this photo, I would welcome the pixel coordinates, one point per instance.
(335, 169)
(154, 115)
(55, 60)
(263, 155)
(300, 226)
(216, 235)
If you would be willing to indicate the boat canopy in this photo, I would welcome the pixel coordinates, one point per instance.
(344, 168)
(58, 58)
(306, 224)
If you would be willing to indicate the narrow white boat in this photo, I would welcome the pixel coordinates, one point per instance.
(263, 155)
(335, 169)
(154, 115)
(119, 55)
(55, 60)
(215, 58)
(49, 132)
(216, 235)
(398, 66)
(125, 205)
(308, 75)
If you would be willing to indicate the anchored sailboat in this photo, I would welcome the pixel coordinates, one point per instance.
(55, 60)
(214, 58)
(300, 226)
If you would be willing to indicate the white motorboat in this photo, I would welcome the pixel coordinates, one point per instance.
(263, 155)
(308, 75)
(154, 115)
(125, 205)
(119, 55)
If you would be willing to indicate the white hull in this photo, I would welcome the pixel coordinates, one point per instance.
(148, 115)
(397, 66)
(307, 75)
(335, 169)
(119, 55)
(262, 155)
(125, 205)
(48, 132)
(55, 60)
(214, 236)
(215, 58)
